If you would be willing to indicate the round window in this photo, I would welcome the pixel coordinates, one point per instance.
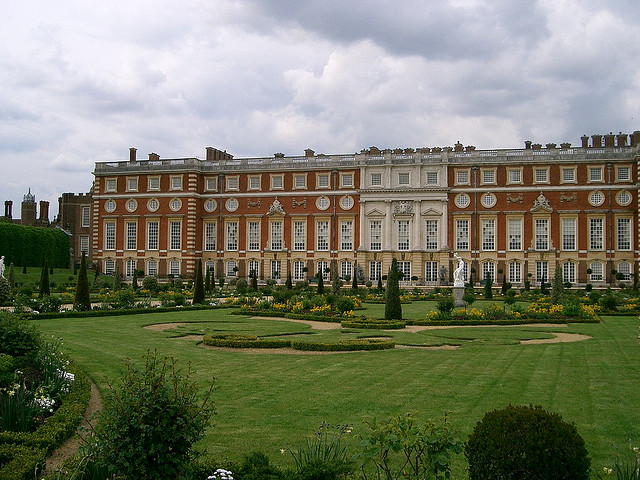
(132, 205)
(153, 204)
(175, 204)
(623, 198)
(346, 203)
(210, 205)
(110, 206)
(323, 203)
(596, 198)
(232, 205)
(463, 200)
(488, 200)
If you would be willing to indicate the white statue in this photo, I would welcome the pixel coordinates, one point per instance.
(458, 273)
(2, 266)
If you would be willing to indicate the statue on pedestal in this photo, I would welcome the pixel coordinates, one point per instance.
(458, 273)
(2, 266)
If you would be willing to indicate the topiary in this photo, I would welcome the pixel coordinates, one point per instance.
(520, 442)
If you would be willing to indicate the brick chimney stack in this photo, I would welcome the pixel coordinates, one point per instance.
(44, 210)
(8, 206)
(622, 139)
(154, 156)
(132, 154)
(585, 141)
(596, 141)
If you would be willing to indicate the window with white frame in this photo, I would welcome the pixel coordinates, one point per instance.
(322, 236)
(175, 235)
(623, 236)
(431, 271)
(515, 272)
(153, 183)
(488, 270)
(233, 183)
(110, 235)
(129, 267)
(210, 234)
(253, 228)
(84, 244)
(624, 269)
(623, 173)
(298, 270)
(403, 235)
(568, 175)
(514, 233)
(174, 267)
(403, 178)
(488, 176)
(488, 234)
(462, 177)
(541, 175)
(569, 272)
(404, 267)
(176, 182)
(211, 184)
(346, 270)
(596, 174)
(132, 184)
(596, 234)
(431, 235)
(375, 270)
(152, 266)
(254, 268)
(277, 182)
(376, 179)
(375, 229)
(153, 228)
(109, 266)
(254, 182)
(432, 178)
(131, 229)
(276, 269)
(623, 198)
(462, 200)
(514, 175)
(322, 267)
(86, 216)
(597, 272)
(322, 180)
(346, 235)
(110, 185)
(232, 236)
(596, 198)
(276, 235)
(541, 233)
(462, 234)
(568, 226)
(300, 181)
(153, 204)
(346, 180)
(542, 271)
(232, 268)
(299, 236)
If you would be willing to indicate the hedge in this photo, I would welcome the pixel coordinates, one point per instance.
(122, 311)
(344, 345)
(242, 341)
(521, 321)
(373, 323)
(31, 246)
(19, 462)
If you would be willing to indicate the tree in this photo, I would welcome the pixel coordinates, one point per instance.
(379, 286)
(320, 290)
(134, 281)
(354, 280)
(557, 288)
(82, 300)
(289, 284)
(336, 281)
(198, 289)
(44, 280)
(254, 281)
(11, 276)
(488, 284)
(393, 307)
(117, 280)
(468, 298)
(207, 282)
(505, 284)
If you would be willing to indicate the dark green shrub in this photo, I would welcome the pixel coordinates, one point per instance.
(18, 337)
(526, 443)
(198, 291)
(82, 299)
(345, 304)
(393, 306)
(44, 280)
(609, 302)
(256, 466)
(445, 305)
(241, 286)
(5, 291)
(588, 287)
(150, 283)
(488, 287)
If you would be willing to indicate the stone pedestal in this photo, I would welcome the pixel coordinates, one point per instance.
(458, 293)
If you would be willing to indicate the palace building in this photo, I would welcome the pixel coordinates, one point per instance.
(513, 214)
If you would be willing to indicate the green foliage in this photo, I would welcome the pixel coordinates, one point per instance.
(231, 340)
(11, 276)
(520, 442)
(117, 279)
(336, 281)
(44, 281)
(445, 306)
(557, 288)
(18, 337)
(374, 324)
(468, 298)
(33, 245)
(289, 283)
(354, 280)
(254, 282)
(345, 304)
(403, 447)
(488, 287)
(344, 345)
(626, 465)
(82, 300)
(609, 302)
(320, 289)
(241, 286)
(256, 466)
(150, 283)
(151, 421)
(198, 290)
(19, 462)
(5, 291)
(393, 307)
(134, 280)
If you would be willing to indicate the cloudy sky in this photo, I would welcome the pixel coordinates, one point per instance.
(81, 81)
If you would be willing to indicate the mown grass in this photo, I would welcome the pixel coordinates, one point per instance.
(266, 401)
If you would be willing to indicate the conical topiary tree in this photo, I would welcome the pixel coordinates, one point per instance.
(393, 307)
(289, 283)
(354, 280)
(82, 300)
(320, 290)
(207, 282)
(44, 280)
(198, 289)
(12, 276)
(117, 279)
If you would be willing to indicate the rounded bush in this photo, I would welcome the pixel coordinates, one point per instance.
(526, 443)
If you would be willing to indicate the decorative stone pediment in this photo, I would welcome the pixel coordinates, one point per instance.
(541, 204)
(374, 213)
(276, 208)
(431, 212)
(403, 207)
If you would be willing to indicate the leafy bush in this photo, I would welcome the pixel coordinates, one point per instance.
(520, 442)
(17, 336)
(150, 283)
(243, 341)
(345, 304)
(344, 345)
(609, 302)
(5, 291)
(445, 305)
(256, 466)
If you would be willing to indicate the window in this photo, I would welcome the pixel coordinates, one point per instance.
(277, 182)
(254, 236)
(403, 178)
(211, 184)
(84, 244)
(254, 182)
(232, 268)
(542, 269)
(514, 233)
(596, 174)
(376, 179)
(175, 235)
(569, 272)
(432, 178)
(542, 233)
(431, 271)
(153, 204)
(403, 235)
(488, 200)
(597, 274)
(624, 234)
(462, 177)
(152, 235)
(232, 236)
(174, 267)
(153, 183)
(152, 267)
(323, 269)
(132, 184)
(375, 270)
(175, 204)
(346, 202)
(346, 235)
(596, 234)
(86, 216)
(462, 200)
(110, 205)
(131, 229)
(276, 235)
(254, 268)
(232, 205)
(431, 235)
(488, 176)
(346, 180)
(299, 236)
(233, 183)
(515, 272)
(210, 205)
(623, 198)
(623, 174)
(488, 234)
(176, 182)
(110, 236)
(323, 203)
(322, 180)
(404, 268)
(109, 267)
(300, 181)
(488, 270)
(276, 269)
(596, 198)
(298, 270)
(568, 226)
(110, 185)
(624, 268)
(210, 233)
(130, 267)
(541, 175)
(568, 175)
(346, 270)
(322, 236)
(514, 175)
(131, 205)
(462, 234)
(375, 228)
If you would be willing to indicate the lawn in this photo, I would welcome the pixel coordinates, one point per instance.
(267, 401)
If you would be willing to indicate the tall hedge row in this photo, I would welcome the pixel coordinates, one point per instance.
(22, 245)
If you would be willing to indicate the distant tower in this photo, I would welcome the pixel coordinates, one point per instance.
(28, 212)
(8, 206)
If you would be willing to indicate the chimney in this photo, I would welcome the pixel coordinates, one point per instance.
(8, 206)
(458, 147)
(565, 145)
(374, 151)
(154, 156)
(211, 152)
(309, 153)
(635, 138)
(551, 146)
(278, 155)
(132, 154)
(609, 140)
(596, 141)
(622, 139)
(469, 148)
(44, 210)
(585, 141)
(527, 144)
